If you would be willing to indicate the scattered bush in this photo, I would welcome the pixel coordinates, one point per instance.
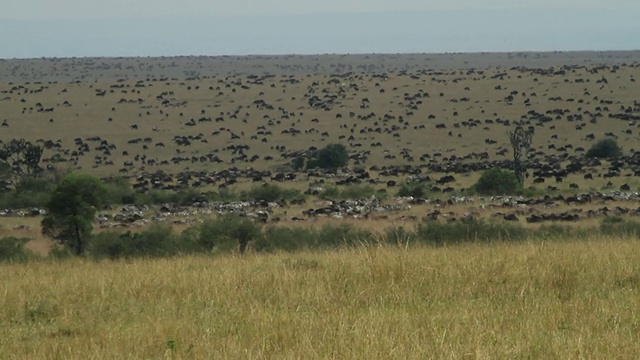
(295, 239)
(12, 249)
(280, 238)
(221, 235)
(497, 182)
(156, 241)
(606, 148)
(433, 232)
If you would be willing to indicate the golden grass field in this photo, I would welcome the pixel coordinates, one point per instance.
(534, 300)
(565, 299)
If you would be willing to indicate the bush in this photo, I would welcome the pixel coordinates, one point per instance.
(270, 193)
(12, 249)
(331, 157)
(182, 197)
(221, 235)
(281, 238)
(298, 163)
(617, 226)
(29, 193)
(156, 241)
(265, 192)
(357, 191)
(353, 191)
(118, 191)
(497, 182)
(436, 233)
(327, 237)
(606, 148)
(398, 235)
(416, 190)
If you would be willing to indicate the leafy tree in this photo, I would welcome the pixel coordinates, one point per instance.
(606, 148)
(20, 158)
(497, 182)
(331, 157)
(71, 210)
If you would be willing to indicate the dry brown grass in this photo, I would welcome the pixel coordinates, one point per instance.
(534, 300)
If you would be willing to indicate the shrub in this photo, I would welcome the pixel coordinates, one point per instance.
(264, 192)
(497, 182)
(156, 241)
(616, 226)
(331, 157)
(606, 148)
(352, 191)
(416, 190)
(183, 197)
(298, 163)
(398, 235)
(281, 238)
(294, 239)
(30, 192)
(436, 233)
(118, 191)
(357, 191)
(12, 249)
(334, 236)
(221, 235)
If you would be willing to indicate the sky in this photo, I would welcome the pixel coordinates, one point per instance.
(65, 28)
(84, 9)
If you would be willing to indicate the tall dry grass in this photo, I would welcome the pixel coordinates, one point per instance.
(531, 300)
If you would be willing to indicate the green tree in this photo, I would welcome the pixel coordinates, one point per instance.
(20, 158)
(606, 148)
(497, 182)
(331, 157)
(71, 210)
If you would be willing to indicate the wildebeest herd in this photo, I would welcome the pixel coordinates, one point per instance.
(234, 122)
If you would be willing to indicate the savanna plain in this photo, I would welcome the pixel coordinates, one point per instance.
(556, 281)
(573, 299)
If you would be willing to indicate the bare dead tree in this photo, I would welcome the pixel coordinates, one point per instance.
(521, 143)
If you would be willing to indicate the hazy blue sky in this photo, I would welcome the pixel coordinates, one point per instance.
(63, 28)
(74, 9)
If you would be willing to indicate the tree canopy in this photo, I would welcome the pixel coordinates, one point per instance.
(20, 158)
(71, 210)
(497, 182)
(606, 148)
(331, 157)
